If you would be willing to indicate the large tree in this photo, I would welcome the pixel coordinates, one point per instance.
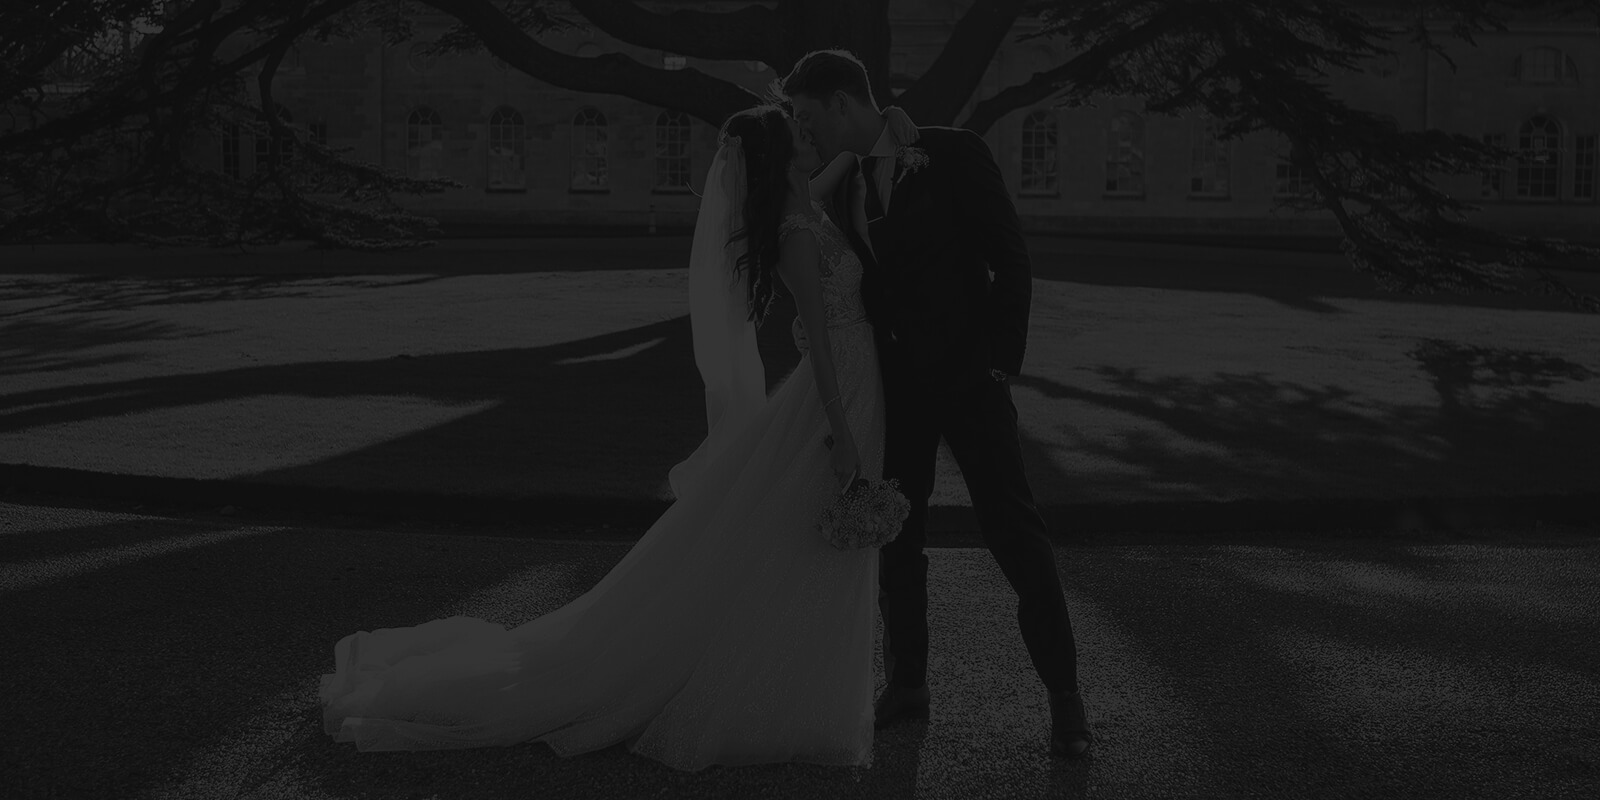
(109, 159)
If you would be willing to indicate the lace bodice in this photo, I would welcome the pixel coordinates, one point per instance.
(841, 269)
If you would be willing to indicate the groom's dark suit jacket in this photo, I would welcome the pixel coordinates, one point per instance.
(928, 291)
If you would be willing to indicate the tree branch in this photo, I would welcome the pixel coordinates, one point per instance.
(123, 97)
(691, 91)
(1039, 87)
(743, 35)
(1090, 66)
(954, 77)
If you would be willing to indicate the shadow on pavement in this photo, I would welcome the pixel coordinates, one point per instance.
(193, 672)
(141, 667)
(1234, 436)
(47, 345)
(577, 418)
(81, 294)
(1304, 669)
(1363, 670)
(586, 421)
(1295, 280)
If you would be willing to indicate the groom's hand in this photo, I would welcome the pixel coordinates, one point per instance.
(857, 201)
(798, 331)
(984, 202)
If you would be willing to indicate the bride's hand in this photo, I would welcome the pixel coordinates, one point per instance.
(857, 199)
(902, 128)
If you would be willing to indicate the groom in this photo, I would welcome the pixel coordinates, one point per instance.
(940, 220)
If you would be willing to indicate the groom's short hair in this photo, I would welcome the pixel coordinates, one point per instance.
(820, 73)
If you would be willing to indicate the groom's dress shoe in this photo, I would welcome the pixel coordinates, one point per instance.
(900, 703)
(1069, 730)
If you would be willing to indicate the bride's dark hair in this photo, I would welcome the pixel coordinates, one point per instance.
(768, 147)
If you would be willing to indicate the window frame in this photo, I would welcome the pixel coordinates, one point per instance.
(1586, 168)
(1040, 163)
(1549, 174)
(590, 133)
(1493, 183)
(506, 127)
(1203, 140)
(1125, 153)
(424, 153)
(678, 162)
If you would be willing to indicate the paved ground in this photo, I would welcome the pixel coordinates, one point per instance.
(153, 650)
(166, 657)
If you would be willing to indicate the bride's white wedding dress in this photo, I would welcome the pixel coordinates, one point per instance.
(731, 633)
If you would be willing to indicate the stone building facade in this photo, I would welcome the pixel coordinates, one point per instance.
(533, 154)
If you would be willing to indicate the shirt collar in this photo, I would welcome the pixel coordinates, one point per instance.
(886, 144)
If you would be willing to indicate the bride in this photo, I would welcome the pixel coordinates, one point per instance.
(732, 632)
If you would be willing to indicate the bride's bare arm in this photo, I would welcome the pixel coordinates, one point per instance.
(823, 186)
(798, 261)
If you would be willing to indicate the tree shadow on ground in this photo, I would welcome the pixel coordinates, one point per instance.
(608, 415)
(1363, 671)
(1298, 281)
(450, 258)
(201, 664)
(23, 545)
(46, 345)
(1495, 430)
(133, 668)
(97, 293)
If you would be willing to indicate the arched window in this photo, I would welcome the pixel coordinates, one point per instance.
(1125, 155)
(1208, 159)
(507, 151)
(316, 133)
(1040, 154)
(424, 144)
(589, 171)
(672, 151)
(1545, 65)
(1494, 177)
(1289, 178)
(274, 147)
(1585, 167)
(130, 143)
(231, 151)
(1539, 159)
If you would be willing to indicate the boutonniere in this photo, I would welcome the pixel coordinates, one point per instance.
(910, 160)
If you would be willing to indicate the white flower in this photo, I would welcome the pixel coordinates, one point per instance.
(910, 159)
(869, 514)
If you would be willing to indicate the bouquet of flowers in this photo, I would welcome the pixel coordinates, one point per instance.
(867, 514)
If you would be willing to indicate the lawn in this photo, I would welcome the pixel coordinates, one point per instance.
(527, 368)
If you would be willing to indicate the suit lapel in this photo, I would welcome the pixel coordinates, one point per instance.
(894, 181)
(883, 229)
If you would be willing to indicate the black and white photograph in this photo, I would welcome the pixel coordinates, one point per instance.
(945, 399)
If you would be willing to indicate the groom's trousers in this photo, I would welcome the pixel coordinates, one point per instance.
(979, 423)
